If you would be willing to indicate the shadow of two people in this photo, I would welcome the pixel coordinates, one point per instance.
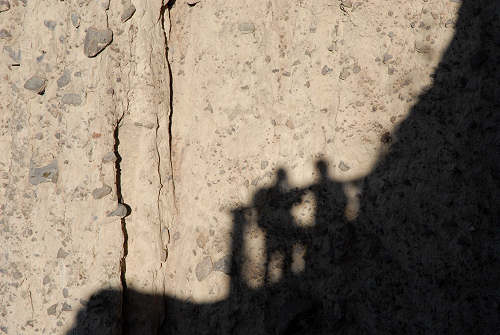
(423, 256)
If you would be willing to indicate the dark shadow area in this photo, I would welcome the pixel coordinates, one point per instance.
(422, 257)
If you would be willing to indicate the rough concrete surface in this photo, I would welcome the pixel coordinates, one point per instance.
(249, 167)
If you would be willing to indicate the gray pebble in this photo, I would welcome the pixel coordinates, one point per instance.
(120, 211)
(46, 280)
(204, 268)
(347, 3)
(64, 79)
(65, 292)
(12, 54)
(109, 157)
(263, 164)
(127, 13)
(356, 69)
(246, 27)
(422, 47)
(105, 4)
(343, 166)
(72, 99)
(223, 265)
(50, 24)
(52, 310)
(44, 174)
(325, 70)
(61, 253)
(387, 57)
(4, 6)
(96, 40)
(66, 307)
(101, 192)
(344, 74)
(5, 33)
(36, 84)
(75, 20)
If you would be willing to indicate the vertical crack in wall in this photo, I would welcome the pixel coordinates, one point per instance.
(123, 264)
(166, 7)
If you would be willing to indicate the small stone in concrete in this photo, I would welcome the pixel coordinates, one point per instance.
(65, 292)
(36, 84)
(72, 99)
(61, 253)
(263, 164)
(109, 157)
(50, 24)
(127, 13)
(120, 211)
(52, 310)
(64, 79)
(344, 74)
(223, 265)
(246, 27)
(356, 69)
(343, 166)
(66, 307)
(75, 20)
(46, 280)
(325, 70)
(387, 57)
(5, 33)
(96, 40)
(204, 268)
(12, 54)
(44, 174)
(422, 47)
(101, 192)
(4, 6)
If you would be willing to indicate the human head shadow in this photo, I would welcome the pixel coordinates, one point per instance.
(422, 257)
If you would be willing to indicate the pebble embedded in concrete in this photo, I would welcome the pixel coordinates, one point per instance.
(36, 84)
(204, 268)
(5, 34)
(343, 166)
(120, 211)
(109, 157)
(48, 173)
(75, 20)
(4, 6)
(64, 79)
(101, 192)
(246, 27)
(128, 12)
(223, 265)
(50, 24)
(72, 99)
(96, 40)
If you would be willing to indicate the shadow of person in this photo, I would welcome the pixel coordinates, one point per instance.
(273, 206)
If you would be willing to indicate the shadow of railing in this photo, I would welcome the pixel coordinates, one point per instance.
(422, 257)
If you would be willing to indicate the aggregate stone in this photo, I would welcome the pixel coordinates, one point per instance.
(4, 6)
(12, 54)
(223, 265)
(101, 192)
(109, 157)
(204, 268)
(127, 13)
(61, 253)
(44, 174)
(75, 20)
(50, 24)
(5, 33)
(325, 70)
(64, 79)
(120, 211)
(36, 84)
(66, 307)
(246, 27)
(72, 99)
(343, 166)
(344, 74)
(96, 40)
(52, 310)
